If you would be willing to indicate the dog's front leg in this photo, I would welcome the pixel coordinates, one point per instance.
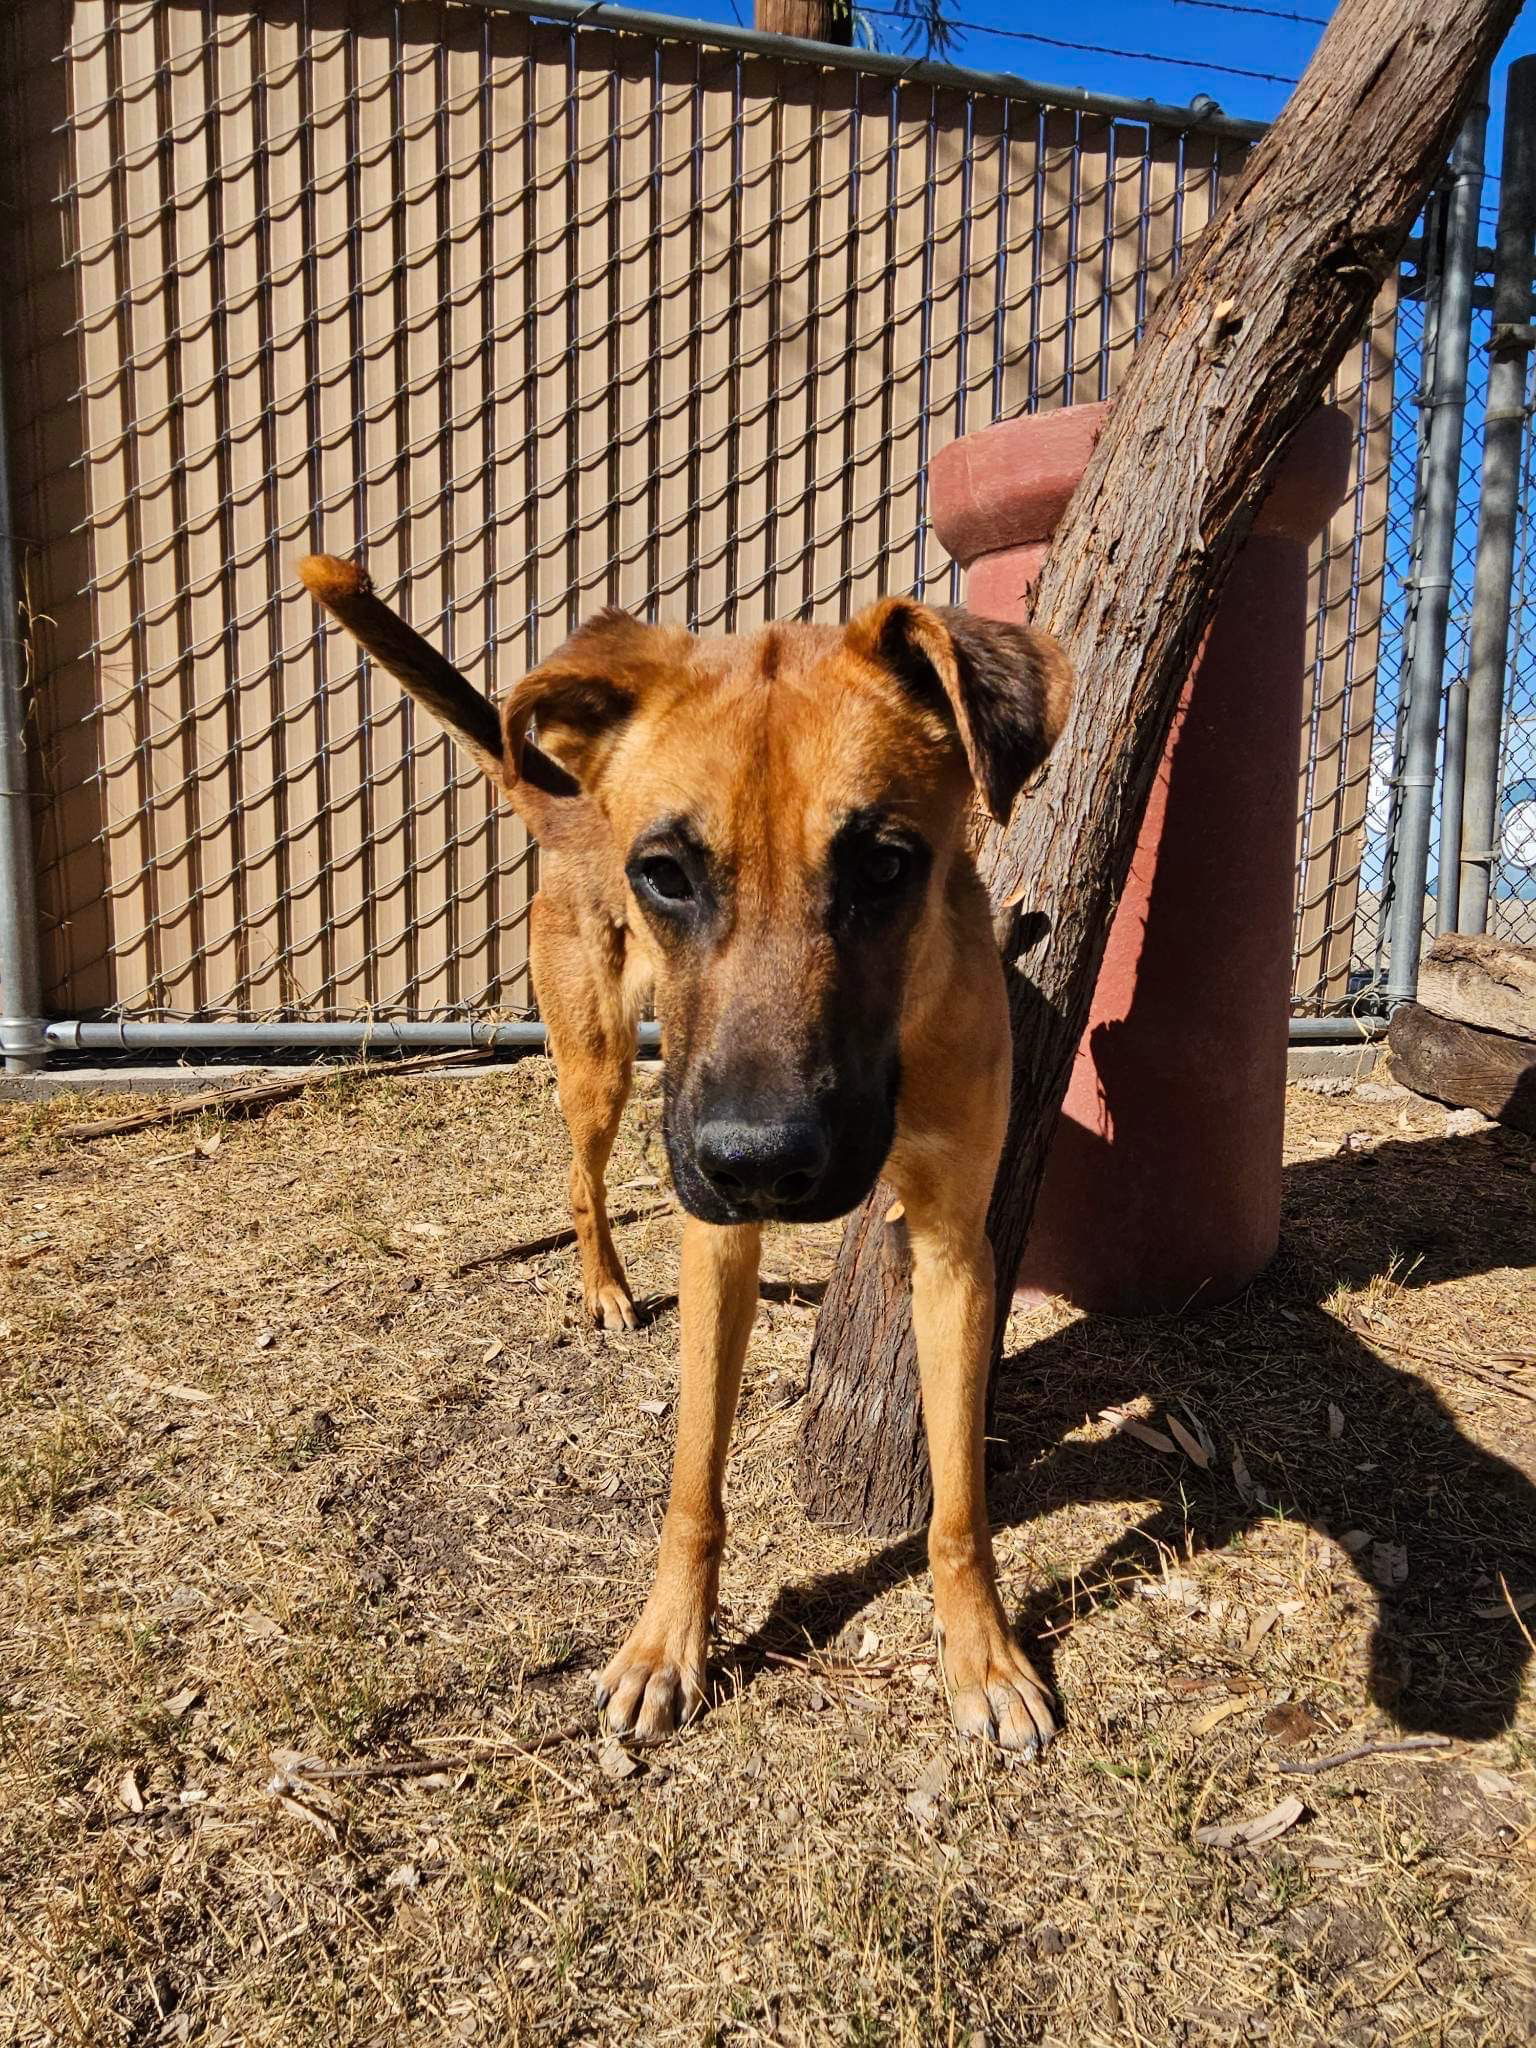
(657, 1679)
(995, 1693)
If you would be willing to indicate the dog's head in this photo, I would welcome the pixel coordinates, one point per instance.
(786, 808)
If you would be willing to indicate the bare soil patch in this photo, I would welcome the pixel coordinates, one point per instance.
(287, 1475)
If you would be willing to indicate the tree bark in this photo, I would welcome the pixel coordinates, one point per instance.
(1481, 1070)
(1238, 354)
(820, 21)
(1482, 982)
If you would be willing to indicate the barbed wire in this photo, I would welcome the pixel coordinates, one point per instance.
(1019, 35)
(1269, 13)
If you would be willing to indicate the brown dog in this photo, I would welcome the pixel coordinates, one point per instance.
(769, 832)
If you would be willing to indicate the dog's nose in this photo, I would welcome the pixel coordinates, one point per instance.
(780, 1163)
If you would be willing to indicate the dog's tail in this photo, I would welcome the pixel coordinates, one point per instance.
(470, 718)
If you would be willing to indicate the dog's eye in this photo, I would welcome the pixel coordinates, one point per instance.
(884, 868)
(666, 879)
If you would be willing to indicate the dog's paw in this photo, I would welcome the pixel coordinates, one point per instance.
(611, 1306)
(654, 1685)
(995, 1693)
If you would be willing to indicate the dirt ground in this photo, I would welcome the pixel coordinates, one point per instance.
(296, 1471)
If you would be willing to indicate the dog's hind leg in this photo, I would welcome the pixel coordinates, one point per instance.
(589, 1009)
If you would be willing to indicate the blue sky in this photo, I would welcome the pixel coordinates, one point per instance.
(1200, 37)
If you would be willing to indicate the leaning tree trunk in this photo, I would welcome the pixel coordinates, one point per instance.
(1238, 354)
(821, 21)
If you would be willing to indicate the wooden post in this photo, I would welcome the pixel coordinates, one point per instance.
(1238, 354)
(821, 21)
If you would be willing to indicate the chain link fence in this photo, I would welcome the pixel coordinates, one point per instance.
(1512, 901)
(542, 317)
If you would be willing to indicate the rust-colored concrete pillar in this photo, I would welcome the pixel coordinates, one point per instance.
(1162, 1191)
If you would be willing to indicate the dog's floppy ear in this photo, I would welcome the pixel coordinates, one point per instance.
(571, 709)
(1005, 689)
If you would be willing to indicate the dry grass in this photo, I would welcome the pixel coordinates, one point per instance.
(278, 1479)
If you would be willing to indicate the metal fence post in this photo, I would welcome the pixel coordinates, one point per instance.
(1447, 413)
(21, 1000)
(1503, 435)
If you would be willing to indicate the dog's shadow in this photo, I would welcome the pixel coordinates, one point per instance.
(1263, 1374)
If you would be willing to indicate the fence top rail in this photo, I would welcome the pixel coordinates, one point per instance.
(1201, 114)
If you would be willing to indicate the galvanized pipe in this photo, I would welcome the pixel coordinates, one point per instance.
(1453, 776)
(1336, 1030)
(21, 981)
(128, 1034)
(1499, 511)
(1446, 404)
(381, 1034)
(1202, 113)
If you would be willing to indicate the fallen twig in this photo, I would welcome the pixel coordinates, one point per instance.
(1311, 1768)
(261, 1093)
(492, 1751)
(1483, 1374)
(1509, 1602)
(554, 1240)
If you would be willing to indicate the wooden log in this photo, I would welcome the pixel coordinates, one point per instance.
(1482, 982)
(1482, 1070)
(1238, 353)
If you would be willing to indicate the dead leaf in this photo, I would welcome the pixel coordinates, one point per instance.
(265, 1339)
(1335, 1421)
(1175, 1588)
(492, 1352)
(1497, 1784)
(260, 1627)
(1214, 1716)
(1249, 1834)
(655, 1408)
(1389, 1563)
(615, 1761)
(1262, 1624)
(1242, 1478)
(1189, 1445)
(895, 1212)
(1203, 1436)
(869, 1644)
(1491, 1610)
(174, 1388)
(128, 1793)
(1291, 1723)
(298, 1810)
(1354, 1540)
(184, 1701)
(922, 1802)
(1125, 1424)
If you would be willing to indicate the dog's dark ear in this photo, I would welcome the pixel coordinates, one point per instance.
(563, 719)
(1005, 689)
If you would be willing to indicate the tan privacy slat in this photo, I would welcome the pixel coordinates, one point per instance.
(537, 319)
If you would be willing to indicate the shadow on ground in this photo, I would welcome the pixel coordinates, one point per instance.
(1262, 1373)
